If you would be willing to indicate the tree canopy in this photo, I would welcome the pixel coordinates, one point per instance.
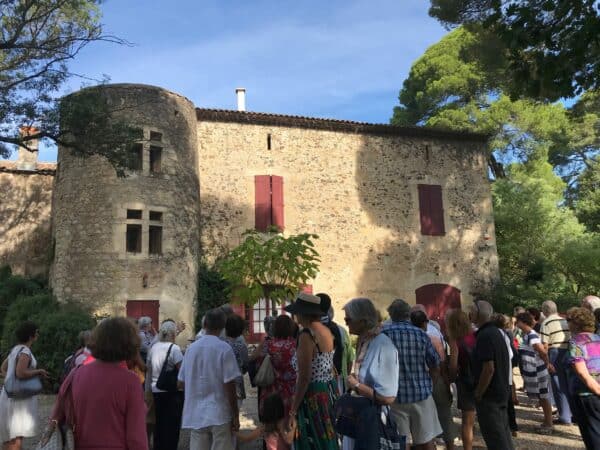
(270, 265)
(543, 158)
(37, 40)
(552, 46)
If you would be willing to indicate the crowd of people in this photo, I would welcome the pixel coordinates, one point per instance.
(129, 385)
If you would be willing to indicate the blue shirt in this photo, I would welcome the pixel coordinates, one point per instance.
(415, 355)
(379, 369)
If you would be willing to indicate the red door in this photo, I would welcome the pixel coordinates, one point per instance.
(437, 299)
(140, 308)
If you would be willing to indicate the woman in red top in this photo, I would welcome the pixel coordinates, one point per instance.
(102, 400)
(280, 348)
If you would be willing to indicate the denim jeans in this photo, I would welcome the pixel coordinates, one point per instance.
(559, 384)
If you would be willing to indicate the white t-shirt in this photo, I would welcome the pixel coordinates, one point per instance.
(156, 359)
(208, 364)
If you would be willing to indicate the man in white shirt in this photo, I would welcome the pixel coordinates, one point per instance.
(208, 375)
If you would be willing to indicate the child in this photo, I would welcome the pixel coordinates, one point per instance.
(273, 428)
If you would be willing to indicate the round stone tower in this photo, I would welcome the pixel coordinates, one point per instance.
(130, 245)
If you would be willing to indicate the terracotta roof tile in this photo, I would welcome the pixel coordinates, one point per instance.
(255, 118)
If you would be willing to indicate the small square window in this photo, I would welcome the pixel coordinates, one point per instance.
(135, 155)
(134, 214)
(155, 240)
(155, 136)
(155, 159)
(156, 216)
(133, 238)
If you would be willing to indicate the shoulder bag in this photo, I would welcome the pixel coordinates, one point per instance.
(18, 388)
(167, 380)
(266, 374)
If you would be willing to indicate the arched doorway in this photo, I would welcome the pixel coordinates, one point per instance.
(437, 299)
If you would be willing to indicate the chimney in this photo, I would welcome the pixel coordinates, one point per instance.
(241, 99)
(27, 159)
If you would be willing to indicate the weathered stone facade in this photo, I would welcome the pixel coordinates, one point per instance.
(90, 206)
(358, 192)
(25, 207)
(355, 185)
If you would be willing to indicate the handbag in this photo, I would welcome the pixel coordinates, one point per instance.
(355, 416)
(389, 437)
(19, 388)
(167, 380)
(266, 374)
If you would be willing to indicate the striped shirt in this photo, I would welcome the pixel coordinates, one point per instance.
(416, 354)
(555, 332)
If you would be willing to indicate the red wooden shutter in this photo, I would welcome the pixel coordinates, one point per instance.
(277, 201)
(437, 211)
(431, 210)
(262, 202)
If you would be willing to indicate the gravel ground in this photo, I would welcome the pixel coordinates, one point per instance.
(528, 417)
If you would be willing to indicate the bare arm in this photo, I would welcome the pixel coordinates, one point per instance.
(249, 437)
(487, 372)
(367, 391)
(541, 350)
(582, 372)
(4, 367)
(23, 371)
(306, 348)
(232, 400)
(288, 435)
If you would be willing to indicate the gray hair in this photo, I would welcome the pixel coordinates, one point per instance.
(549, 307)
(214, 319)
(590, 302)
(144, 321)
(483, 309)
(362, 309)
(168, 328)
(84, 337)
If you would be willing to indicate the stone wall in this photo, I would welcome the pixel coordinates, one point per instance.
(90, 206)
(358, 192)
(25, 206)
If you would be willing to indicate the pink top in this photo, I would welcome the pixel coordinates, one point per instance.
(108, 408)
(274, 441)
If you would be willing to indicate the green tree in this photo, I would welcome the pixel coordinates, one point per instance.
(37, 40)
(270, 265)
(449, 87)
(213, 291)
(551, 46)
(587, 201)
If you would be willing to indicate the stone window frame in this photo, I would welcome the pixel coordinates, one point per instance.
(146, 143)
(120, 230)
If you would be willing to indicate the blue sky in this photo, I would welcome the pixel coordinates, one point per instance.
(337, 59)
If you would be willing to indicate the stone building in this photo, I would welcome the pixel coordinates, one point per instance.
(400, 212)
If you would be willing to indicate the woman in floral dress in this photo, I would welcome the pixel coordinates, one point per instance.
(281, 347)
(315, 394)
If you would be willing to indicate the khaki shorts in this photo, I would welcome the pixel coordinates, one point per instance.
(419, 420)
(217, 437)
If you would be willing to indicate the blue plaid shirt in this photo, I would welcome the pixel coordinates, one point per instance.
(416, 355)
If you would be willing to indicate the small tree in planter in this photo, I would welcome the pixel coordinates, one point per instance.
(270, 265)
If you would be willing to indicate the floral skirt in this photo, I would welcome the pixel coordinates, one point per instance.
(315, 418)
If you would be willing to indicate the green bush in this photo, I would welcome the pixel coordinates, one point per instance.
(59, 327)
(12, 287)
(213, 291)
